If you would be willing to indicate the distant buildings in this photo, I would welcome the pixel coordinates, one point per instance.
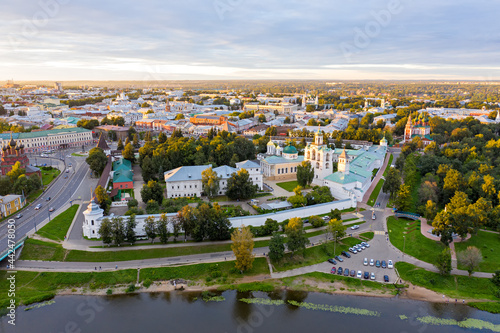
(9, 204)
(11, 154)
(285, 108)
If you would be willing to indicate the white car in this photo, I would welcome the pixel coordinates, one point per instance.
(365, 244)
(372, 262)
(365, 262)
(359, 275)
(354, 227)
(390, 264)
(372, 276)
(37, 207)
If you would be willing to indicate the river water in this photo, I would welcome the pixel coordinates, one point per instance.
(233, 311)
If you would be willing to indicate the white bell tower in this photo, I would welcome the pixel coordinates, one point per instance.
(343, 165)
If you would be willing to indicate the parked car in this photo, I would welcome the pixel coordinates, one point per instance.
(373, 216)
(366, 275)
(383, 264)
(18, 216)
(346, 272)
(357, 248)
(365, 244)
(37, 207)
(345, 254)
(360, 246)
(51, 209)
(359, 275)
(326, 218)
(354, 227)
(386, 278)
(353, 273)
(332, 261)
(372, 262)
(340, 271)
(377, 263)
(372, 276)
(390, 264)
(334, 270)
(353, 250)
(339, 259)
(365, 262)
(66, 177)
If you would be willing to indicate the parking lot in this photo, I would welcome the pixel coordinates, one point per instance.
(378, 250)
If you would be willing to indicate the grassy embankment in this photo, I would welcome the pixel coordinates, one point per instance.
(58, 227)
(489, 244)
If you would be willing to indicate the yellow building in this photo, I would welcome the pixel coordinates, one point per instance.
(10, 204)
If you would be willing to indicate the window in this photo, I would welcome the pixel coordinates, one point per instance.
(278, 171)
(190, 186)
(121, 186)
(92, 222)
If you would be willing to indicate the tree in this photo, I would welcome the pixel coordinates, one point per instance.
(120, 145)
(16, 171)
(128, 153)
(132, 203)
(5, 185)
(135, 141)
(118, 230)
(443, 262)
(430, 210)
(152, 191)
(270, 226)
(276, 247)
(102, 198)
(336, 229)
(239, 186)
(335, 214)
(305, 174)
(162, 138)
(296, 237)
(297, 200)
(271, 131)
(495, 279)
(403, 198)
(186, 219)
(470, 258)
(210, 182)
(179, 116)
(106, 231)
(152, 207)
(130, 230)
(150, 228)
(130, 133)
(262, 118)
(392, 182)
(162, 228)
(96, 160)
(176, 228)
(242, 247)
(316, 221)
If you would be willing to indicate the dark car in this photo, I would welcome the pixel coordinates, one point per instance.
(384, 264)
(377, 263)
(51, 209)
(332, 261)
(339, 259)
(353, 273)
(334, 270)
(366, 275)
(339, 271)
(345, 254)
(48, 198)
(346, 271)
(386, 278)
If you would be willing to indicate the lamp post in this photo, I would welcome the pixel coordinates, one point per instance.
(404, 245)
(48, 212)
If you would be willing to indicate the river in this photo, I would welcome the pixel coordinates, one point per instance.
(233, 311)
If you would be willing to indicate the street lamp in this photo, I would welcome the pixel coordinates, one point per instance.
(404, 244)
(48, 212)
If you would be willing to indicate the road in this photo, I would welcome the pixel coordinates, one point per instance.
(61, 191)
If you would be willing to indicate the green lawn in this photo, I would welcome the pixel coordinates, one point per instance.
(489, 244)
(417, 245)
(49, 175)
(58, 227)
(369, 235)
(375, 193)
(78, 155)
(34, 249)
(351, 241)
(288, 186)
(388, 165)
(454, 286)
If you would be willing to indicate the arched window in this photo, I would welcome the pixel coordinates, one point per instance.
(327, 165)
(308, 155)
(317, 165)
(314, 154)
(92, 222)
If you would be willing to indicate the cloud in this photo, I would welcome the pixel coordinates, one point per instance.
(90, 39)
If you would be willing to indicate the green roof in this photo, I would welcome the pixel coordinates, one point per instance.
(123, 176)
(290, 150)
(281, 160)
(38, 134)
(122, 164)
(341, 178)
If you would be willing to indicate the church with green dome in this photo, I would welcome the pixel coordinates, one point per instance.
(280, 163)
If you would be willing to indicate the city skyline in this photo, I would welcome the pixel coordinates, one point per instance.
(236, 39)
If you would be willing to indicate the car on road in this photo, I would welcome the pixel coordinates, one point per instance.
(354, 227)
(340, 271)
(66, 177)
(18, 216)
(37, 207)
(386, 278)
(326, 218)
(346, 271)
(372, 262)
(365, 244)
(377, 263)
(378, 204)
(334, 270)
(51, 209)
(332, 261)
(339, 259)
(390, 264)
(353, 273)
(372, 276)
(345, 254)
(48, 198)
(383, 264)
(359, 275)
(353, 250)
(366, 275)
(365, 262)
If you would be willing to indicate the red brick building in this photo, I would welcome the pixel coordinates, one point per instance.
(11, 154)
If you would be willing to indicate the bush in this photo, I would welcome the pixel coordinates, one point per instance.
(132, 203)
(146, 283)
(316, 221)
(130, 288)
(109, 291)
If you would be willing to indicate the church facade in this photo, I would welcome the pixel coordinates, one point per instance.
(12, 153)
(420, 129)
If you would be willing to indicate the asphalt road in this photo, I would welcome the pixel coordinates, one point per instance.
(61, 191)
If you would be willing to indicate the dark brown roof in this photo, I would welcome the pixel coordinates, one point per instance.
(102, 143)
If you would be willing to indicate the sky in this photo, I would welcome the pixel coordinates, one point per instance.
(249, 39)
